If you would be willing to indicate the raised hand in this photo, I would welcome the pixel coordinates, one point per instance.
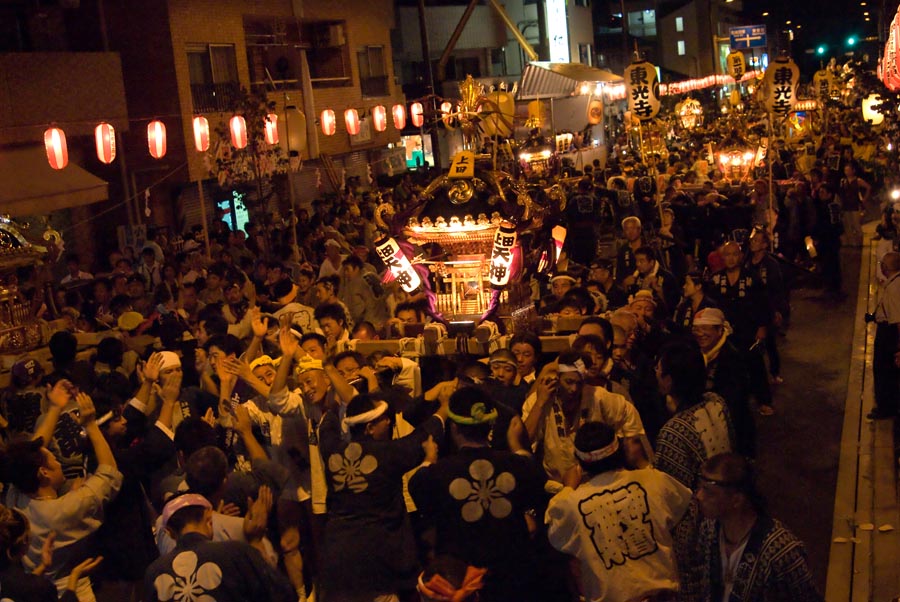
(288, 342)
(170, 389)
(80, 570)
(61, 393)
(258, 514)
(242, 421)
(236, 366)
(152, 367)
(210, 417)
(228, 509)
(259, 326)
(86, 411)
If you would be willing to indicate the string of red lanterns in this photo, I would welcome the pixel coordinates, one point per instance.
(105, 133)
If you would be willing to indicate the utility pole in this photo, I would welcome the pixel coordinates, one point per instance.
(426, 57)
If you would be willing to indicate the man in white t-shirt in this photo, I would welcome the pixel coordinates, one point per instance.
(562, 402)
(617, 522)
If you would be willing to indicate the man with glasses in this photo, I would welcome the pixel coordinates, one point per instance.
(747, 554)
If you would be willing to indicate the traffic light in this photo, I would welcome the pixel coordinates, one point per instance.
(851, 41)
(820, 50)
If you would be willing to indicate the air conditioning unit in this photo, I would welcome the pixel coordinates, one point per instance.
(330, 35)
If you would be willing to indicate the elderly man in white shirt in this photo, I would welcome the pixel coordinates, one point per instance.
(561, 403)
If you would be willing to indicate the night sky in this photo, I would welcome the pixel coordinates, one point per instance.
(827, 23)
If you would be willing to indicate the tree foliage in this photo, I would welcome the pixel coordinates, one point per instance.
(254, 168)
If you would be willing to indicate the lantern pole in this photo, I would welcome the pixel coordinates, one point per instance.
(294, 222)
(770, 227)
(203, 217)
(123, 173)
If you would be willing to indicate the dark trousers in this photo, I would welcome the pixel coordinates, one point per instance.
(772, 351)
(755, 361)
(884, 370)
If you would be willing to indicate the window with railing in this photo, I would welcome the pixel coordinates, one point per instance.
(373, 80)
(329, 54)
(213, 76)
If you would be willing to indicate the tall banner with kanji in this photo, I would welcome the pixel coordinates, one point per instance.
(780, 85)
(642, 88)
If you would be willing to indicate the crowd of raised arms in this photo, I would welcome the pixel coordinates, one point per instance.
(226, 441)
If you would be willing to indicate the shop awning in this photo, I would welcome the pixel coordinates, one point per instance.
(558, 80)
(29, 186)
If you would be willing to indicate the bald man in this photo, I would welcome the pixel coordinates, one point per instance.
(886, 357)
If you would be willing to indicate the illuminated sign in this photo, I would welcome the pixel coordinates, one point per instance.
(558, 31)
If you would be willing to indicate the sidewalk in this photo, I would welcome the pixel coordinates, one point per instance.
(865, 549)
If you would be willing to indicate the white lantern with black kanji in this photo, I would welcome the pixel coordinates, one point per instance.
(398, 263)
(870, 114)
(642, 88)
(780, 84)
(736, 65)
(502, 255)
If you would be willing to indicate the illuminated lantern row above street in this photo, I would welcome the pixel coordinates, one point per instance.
(105, 134)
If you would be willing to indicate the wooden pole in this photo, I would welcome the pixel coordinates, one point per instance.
(203, 217)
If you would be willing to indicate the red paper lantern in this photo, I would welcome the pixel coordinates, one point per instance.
(238, 127)
(272, 129)
(351, 120)
(416, 111)
(201, 134)
(57, 151)
(156, 138)
(446, 109)
(399, 112)
(329, 123)
(379, 118)
(105, 138)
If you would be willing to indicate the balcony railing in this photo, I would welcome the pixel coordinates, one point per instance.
(214, 98)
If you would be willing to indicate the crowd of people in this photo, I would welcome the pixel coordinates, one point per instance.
(226, 441)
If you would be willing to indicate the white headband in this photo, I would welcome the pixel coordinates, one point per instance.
(364, 418)
(169, 359)
(598, 454)
(578, 367)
